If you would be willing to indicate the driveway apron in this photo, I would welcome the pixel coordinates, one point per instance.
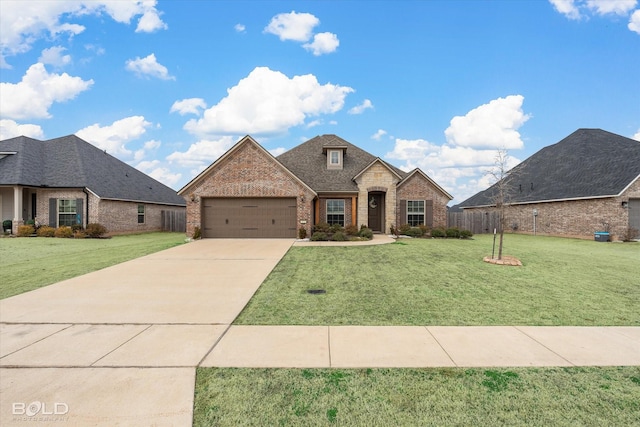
(119, 346)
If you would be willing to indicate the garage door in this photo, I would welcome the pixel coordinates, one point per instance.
(250, 218)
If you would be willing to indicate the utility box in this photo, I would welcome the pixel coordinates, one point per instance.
(602, 236)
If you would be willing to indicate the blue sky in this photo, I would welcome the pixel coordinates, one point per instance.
(169, 86)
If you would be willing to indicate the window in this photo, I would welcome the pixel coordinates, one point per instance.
(415, 212)
(66, 212)
(335, 212)
(140, 214)
(335, 157)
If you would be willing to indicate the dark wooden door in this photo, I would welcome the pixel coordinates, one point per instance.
(376, 211)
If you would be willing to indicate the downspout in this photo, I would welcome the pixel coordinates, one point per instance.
(86, 218)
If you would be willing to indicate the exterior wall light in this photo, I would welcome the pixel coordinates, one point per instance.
(625, 205)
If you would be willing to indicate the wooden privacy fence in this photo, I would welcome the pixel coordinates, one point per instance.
(173, 221)
(476, 222)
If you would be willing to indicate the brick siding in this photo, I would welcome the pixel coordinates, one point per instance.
(247, 172)
(419, 188)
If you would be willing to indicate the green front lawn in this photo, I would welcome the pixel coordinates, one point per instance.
(28, 263)
(445, 282)
(418, 397)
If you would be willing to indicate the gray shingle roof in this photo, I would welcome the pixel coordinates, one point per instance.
(588, 163)
(308, 162)
(70, 162)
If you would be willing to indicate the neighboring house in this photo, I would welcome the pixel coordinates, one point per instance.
(249, 193)
(588, 182)
(67, 181)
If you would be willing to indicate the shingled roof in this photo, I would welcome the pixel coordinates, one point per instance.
(308, 162)
(70, 162)
(589, 163)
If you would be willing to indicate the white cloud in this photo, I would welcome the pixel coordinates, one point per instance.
(275, 152)
(636, 136)
(268, 102)
(54, 56)
(25, 22)
(492, 125)
(634, 22)
(152, 144)
(148, 67)
(115, 136)
(323, 43)
(567, 7)
(239, 28)
(150, 22)
(313, 124)
(616, 7)
(359, 109)
(37, 91)
(292, 26)
(379, 134)
(203, 152)
(188, 106)
(10, 129)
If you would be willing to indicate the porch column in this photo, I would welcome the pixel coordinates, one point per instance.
(354, 211)
(17, 209)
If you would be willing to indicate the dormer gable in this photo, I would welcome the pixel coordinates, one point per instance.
(335, 156)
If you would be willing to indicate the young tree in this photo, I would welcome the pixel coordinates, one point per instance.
(502, 177)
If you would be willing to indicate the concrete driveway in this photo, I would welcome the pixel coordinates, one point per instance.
(126, 337)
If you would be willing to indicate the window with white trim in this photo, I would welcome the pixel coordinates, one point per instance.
(335, 212)
(415, 212)
(335, 157)
(66, 212)
(141, 214)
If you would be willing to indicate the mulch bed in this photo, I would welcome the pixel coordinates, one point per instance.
(506, 260)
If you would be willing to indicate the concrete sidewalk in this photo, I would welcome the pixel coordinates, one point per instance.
(420, 346)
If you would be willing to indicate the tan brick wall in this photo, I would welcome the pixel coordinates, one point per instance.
(574, 218)
(419, 188)
(42, 203)
(377, 176)
(247, 172)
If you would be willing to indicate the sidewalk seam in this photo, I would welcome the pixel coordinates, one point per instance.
(35, 342)
(554, 352)
(443, 349)
(213, 345)
(329, 345)
(121, 344)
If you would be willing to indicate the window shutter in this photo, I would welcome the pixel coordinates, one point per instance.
(79, 211)
(428, 207)
(403, 213)
(53, 212)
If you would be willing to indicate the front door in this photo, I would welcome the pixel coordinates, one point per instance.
(376, 211)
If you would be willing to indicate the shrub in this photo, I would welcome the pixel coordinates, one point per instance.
(453, 232)
(438, 232)
(302, 233)
(25, 230)
(322, 227)
(424, 229)
(7, 224)
(46, 231)
(366, 233)
(80, 234)
(197, 234)
(63, 232)
(351, 230)
(404, 229)
(338, 236)
(414, 232)
(77, 227)
(630, 234)
(465, 234)
(393, 230)
(319, 236)
(336, 228)
(96, 230)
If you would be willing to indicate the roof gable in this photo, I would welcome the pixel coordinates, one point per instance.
(418, 171)
(308, 161)
(237, 147)
(589, 163)
(70, 162)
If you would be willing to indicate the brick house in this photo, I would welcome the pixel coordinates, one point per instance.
(587, 182)
(66, 181)
(249, 193)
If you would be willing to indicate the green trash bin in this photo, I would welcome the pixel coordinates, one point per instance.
(602, 236)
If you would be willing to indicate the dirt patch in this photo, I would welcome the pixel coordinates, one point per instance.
(506, 260)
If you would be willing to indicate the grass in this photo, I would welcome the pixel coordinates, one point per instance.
(425, 397)
(31, 263)
(445, 282)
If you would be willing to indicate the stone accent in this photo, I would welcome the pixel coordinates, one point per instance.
(377, 176)
(572, 218)
(417, 187)
(247, 172)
